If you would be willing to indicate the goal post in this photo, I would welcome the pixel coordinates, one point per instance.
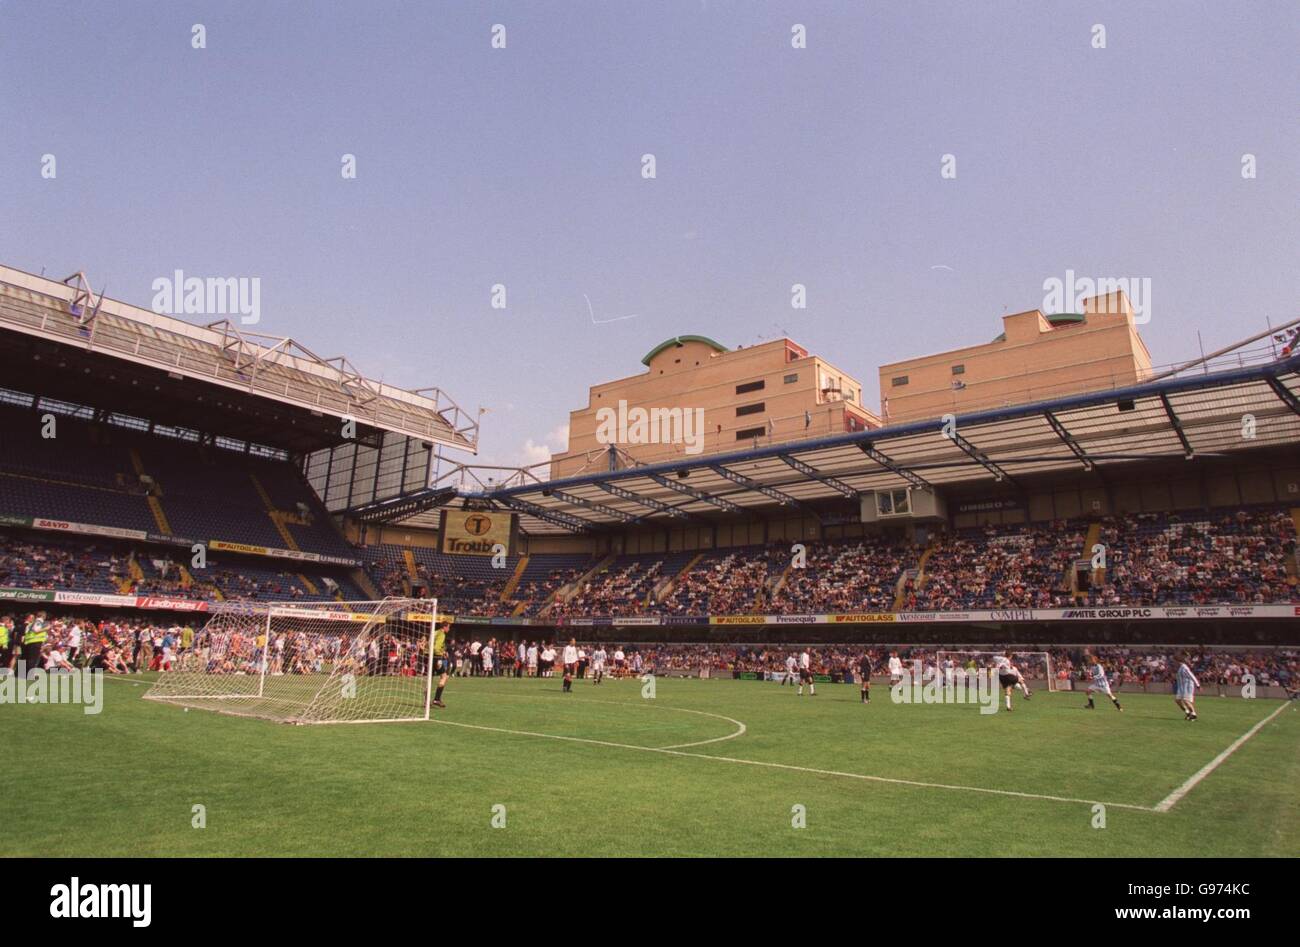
(328, 662)
(1036, 666)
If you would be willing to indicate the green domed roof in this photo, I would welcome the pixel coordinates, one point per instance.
(680, 339)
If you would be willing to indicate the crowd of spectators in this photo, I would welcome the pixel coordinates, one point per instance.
(134, 644)
(842, 577)
(998, 567)
(1229, 558)
(731, 583)
(1245, 556)
(1127, 666)
(34, 565)
(623, 589)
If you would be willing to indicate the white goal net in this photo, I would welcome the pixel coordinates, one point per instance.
(332, 662)
(1036, 666)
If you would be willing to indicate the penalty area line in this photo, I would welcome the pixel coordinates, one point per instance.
(670, 751)
(1171, 800)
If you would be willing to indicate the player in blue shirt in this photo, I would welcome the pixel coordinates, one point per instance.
(1099, 682)
(1185, 688)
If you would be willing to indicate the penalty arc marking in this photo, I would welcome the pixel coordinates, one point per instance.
(740, 730)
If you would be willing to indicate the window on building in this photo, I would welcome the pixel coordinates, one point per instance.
(745, 434)
(791, 379)
(899, 381)
(959, 369)
(893, 502)
(745, 409)
(750, 386)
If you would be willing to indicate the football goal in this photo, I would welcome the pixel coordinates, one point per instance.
(328, 662)
(1036, 666)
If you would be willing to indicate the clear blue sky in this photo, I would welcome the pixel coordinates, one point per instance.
(775, 166)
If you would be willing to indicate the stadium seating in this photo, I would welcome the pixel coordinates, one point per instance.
(91, 474)
(729, 581)
(625, 586)
(998, 567)
(1199, 559)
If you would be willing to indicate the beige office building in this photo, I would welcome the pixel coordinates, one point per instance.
(1036, 358)
(697, 397)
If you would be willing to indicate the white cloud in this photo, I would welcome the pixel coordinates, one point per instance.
(534, 453)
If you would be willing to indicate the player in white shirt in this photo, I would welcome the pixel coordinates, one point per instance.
(895, 668)
(791, 671)
(805, 674)
(1185, 688)
(74, 641)
(1099, 682)
(598, 664)
(570, 664)
(532, 659)
(1009, 677)
(620, 660)
(489, 656)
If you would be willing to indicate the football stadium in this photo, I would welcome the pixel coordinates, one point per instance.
(850, 612)
(694, 431)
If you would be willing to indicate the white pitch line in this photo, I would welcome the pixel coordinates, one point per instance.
(670, 751)
(740, 730)
(1173, 798)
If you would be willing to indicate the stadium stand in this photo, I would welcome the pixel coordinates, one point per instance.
(845, 576)
(1216, 557)
(1220, 556)
(625, 586)
(999, 567)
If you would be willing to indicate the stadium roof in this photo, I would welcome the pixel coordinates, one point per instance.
(1189, 417)
(267, 388)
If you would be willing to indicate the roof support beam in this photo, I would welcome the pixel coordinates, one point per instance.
(809, 471)
(658, 506)
(772, 494)
(678, 487)
(1069, 440)
(1177, 425)
(400, 507)
(1285, 393)
(870, 450)
(979, 457)
(600, 508)
(555, 517)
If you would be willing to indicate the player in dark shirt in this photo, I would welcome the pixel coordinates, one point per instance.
(864, 670)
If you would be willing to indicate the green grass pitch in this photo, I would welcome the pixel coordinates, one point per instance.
(126, 782)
